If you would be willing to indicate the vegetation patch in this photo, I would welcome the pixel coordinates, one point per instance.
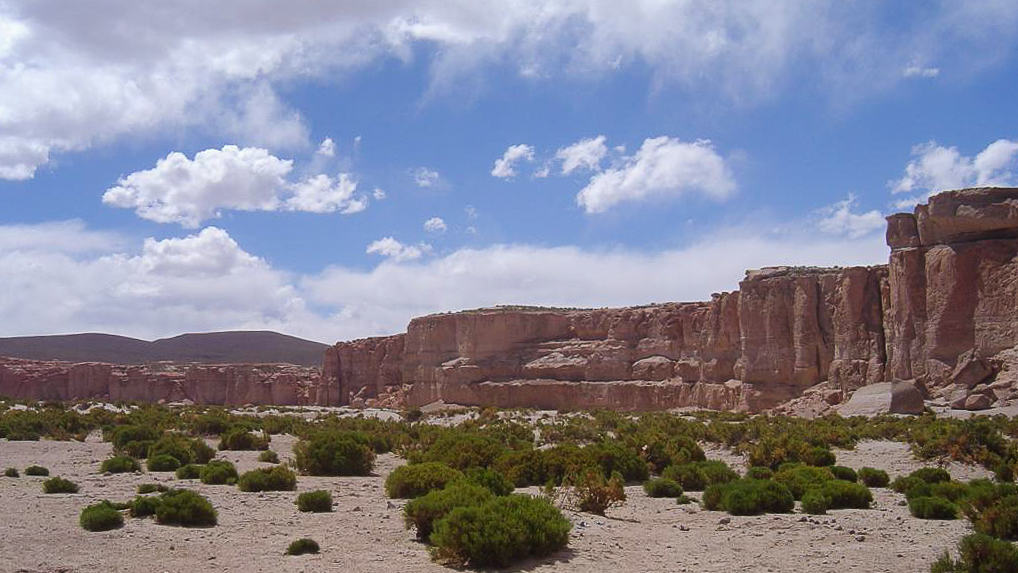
(302, 546)
(120, 464)
(218, 472)
(36, 471)
(334, 454)
(927, 507)
(415, 480)
(239, 438)
(277, 478)
(662, 487)
(102, 516)
(872, 477)
(163, 463)
(269, 456)
(59, 485)
(318, 501)
(185, 508)
(190, 471)
(422, 512)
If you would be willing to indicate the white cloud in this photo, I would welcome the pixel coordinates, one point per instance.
(189, 191)
(425, 177)
(838, 219)
(938, 168)
(378, 194)
(397, 251)
(663, 167)
(585, 154)
(914, 71)
(505, 166)
(435, 225)
(327, 148)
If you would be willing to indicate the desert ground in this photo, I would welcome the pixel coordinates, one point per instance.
(40, 532)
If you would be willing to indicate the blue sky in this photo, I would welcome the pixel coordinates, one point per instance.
(332, 169)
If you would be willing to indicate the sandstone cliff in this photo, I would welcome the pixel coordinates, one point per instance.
(942, 313)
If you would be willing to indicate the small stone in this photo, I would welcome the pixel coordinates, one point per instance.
(725, 520)
(860, 538)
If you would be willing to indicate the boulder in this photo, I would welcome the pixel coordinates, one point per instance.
(897, 397)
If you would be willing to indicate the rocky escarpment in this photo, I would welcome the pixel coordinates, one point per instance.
(222, 384)
(941, 314)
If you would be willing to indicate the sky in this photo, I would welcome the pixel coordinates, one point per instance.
(331, 169)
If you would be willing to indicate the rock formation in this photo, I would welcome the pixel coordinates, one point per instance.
(942, 314)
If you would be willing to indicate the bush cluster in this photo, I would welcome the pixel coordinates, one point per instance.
(276, 478)
(269, 456)
(844, 473)
(872, 477)
(239, 438)
(11, 473)
(318, 501)
(979, 553)
(163, 463)
(36, 471)
(102, 516)
(696, 476)
(334, 454)
(59, 485)
(754, 497)
(930, 507)
(593, 493)
(662, 487)
(185, 507)
(120, 464)
(422, 512)
(302, 546)
(152, 488)
(190, 471)
(415, 480)
(218, 472)
(144, 505)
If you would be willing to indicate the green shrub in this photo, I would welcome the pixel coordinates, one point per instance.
(931, 475)
(151, 488)
(124, 435)
(276, 478)
(334, 454)
(906, 484)
(100, 516)
(494, 480)
(932, 508)
(185, 450)
(753, 497)
(36, 471)
(799, 478)
(424, 511)
(415, 480)
(190, 471)
(662, 487)
(144, 505)
(59, 485)
(759, 472)
(844, 473)
(239, 438)
(819, 457)
(11, 472)
(696, 476)
(979, 554)
(711, 499)
(613, 456)
(119, 465)
(218, 472)
(269, 456)
(318, 501)
(814, 502)
(302, 546)
(461, 451)
(949, 490)
(163, 463)
(185, 507)
(872, 477)
(593, 493)
(1000, 519)
(503, 530)
(846, 495)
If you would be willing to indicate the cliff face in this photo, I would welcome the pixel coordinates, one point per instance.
(224, 384)
(943, 313)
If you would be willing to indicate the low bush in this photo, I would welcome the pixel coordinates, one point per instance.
(799, 478)
(239, 438)
(269, 456)
(759, 472)
(277, 478)
(711, 499)
(424, 511)
(593, 493)
(302, 546)
(415, 480)
(128, 434)
(119, 465)
(11, 472)
(318, 501)
(906, 485)
(844, 473)
(495, 481)
(1000, 519)
(144, 505)
(334, 454)
(59, 485)
(872, 477)
(753, 497)
(190, 471)
(979, 554)
(152, 488)
(218, 472)
(662, 487)
(185, 450)
(814, 502)
(949, 490)
(163, 463)
(501, 531)
(185, 507)
(932, 508)
(931, 475)
(102, 516)
(818, 456)
(36, 471)
(461, 450)
(846, 495)
(696, 476)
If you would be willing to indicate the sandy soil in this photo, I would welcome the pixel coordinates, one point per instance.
(40, 532)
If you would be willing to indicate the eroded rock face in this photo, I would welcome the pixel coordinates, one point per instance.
(222, 384)
(941, 313)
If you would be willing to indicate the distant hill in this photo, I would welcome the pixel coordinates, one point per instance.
(234, 346)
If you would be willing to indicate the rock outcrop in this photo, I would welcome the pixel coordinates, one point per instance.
(942, 313)
(222, 384)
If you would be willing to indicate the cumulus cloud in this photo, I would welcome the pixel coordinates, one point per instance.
(425, 177)
(839, 219)
(937, 168)
(585, 154)
(435, 225)
(327, 148)
(663, 167)
(505, 166)
(189, 191)
(391, 248)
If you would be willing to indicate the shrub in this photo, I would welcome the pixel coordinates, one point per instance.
(424, 511)
(759, 472)
(711, 499)
(269, 456)
(218, 472)
(163, 463)
(931, 475)
(818, 456)
(124, 435)
(814, 502)
(798, 478)
(190, 471)
(334, 454)
(696, 476)
(662, 487)
(277, 478)
(101, 516)
(979, 554)
(503, 530)
(11, 472)
(143, 506)
(844, 473)
(36, 471)
(753, 497)
(1000, 519)
(185, 450)
(905, 484)
(302, 546)
(151, 488)
(185, 507)
(318, 501)
(846, 495)
(461, 451)
(415, 480)
(494, 480)
(872, 477)
(593, 493)
(59, 485)
(613, 456)
(239, 438)
(119, 465)
(949, 490)
(932, 508)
